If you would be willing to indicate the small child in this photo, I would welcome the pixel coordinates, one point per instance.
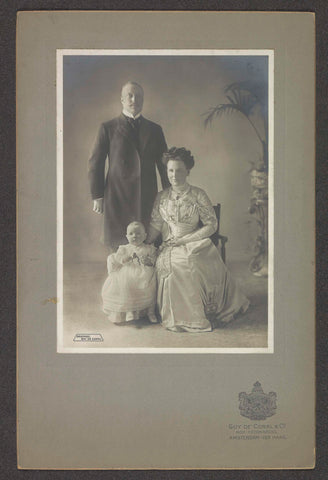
(129, 292)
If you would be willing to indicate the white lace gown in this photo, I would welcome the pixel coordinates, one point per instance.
(195, 289)
(129, 291)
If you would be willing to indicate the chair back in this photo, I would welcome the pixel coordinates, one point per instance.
(215, 236)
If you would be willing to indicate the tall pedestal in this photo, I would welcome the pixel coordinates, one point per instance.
(259, 209)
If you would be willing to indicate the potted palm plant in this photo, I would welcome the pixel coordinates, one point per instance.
(250, 99)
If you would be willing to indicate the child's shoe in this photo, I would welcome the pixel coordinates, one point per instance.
(151, 316)
(129, 316)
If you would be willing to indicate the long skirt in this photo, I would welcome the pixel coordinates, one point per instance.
(195, 288)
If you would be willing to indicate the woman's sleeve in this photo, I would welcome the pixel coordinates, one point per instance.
(207, 217)
(156, 220)
(206, 212)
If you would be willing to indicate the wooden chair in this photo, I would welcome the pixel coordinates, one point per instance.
(218, 239)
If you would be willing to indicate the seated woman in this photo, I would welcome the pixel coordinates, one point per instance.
(195, 289)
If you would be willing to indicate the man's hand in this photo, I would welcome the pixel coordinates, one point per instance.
(98, 205)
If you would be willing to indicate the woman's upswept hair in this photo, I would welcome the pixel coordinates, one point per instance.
(179, 153)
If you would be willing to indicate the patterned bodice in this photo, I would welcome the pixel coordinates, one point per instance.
(176, 215)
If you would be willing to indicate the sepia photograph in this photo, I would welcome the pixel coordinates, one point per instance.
(165, 201)
(165, 220)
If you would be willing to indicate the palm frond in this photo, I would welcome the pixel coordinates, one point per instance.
(257, 89)
(233, 101)
(235, 95)
(244, 98)
(243, 93)
(223, 108)
(209, 116)
(239, 95)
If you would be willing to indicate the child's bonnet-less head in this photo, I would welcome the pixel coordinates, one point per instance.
(136, 233)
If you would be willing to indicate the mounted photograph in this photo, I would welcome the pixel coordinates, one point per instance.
(166, 267)
(165, 201)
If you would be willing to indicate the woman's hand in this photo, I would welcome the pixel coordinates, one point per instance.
(175, 242)
(126, 259)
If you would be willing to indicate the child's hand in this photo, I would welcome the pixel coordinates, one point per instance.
(147, 261)
(112, 264)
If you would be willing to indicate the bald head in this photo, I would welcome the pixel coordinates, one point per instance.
(132, 96)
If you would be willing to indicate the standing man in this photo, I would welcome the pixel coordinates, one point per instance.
(133, 146)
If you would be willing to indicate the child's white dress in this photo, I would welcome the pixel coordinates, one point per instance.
(129, 292)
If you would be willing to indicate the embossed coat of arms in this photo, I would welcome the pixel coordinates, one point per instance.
(257, 405)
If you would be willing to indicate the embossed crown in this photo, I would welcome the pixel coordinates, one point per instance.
(257, 387)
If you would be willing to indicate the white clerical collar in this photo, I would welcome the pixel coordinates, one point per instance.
(128, 114)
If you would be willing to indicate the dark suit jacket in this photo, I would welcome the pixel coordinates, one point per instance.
(130, 186)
